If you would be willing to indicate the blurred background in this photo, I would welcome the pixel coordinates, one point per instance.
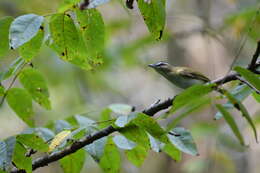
(203, 34)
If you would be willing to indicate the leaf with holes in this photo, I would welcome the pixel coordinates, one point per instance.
(153, 13)
(93, 32)
(67, 42)
(24, 28)
(67, 5)
(21, 102)
(35, 84)
(5, 23)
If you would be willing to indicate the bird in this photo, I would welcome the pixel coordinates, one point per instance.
(182, 77)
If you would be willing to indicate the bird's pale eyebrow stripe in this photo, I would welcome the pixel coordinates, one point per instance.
(160, 63)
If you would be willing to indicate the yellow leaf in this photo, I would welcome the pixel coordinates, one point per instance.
(58, 139)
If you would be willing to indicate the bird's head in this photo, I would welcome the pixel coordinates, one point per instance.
(161, 67)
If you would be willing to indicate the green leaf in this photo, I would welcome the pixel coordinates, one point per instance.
(24, 28)
(2, 90)
(231, 122)
(85, 121)
(137, 135)
(44, 133)
(122, 109)
(110, 161)
(123, 120)
(30, 49)
(6, 153)
(123, 143)
(172, 151)
(12, 69)
(93, 31)
(256, 96)
(191, 94)
(20, 160)
(138, 154)
(184, 142)
(192, 108)
(249, 76)
(151, 126)
(240, 92)
(240, 107)
(105, 118)
(73, 163)
(35, 84)
(66, 41)
(78, 133)
(21, 102)
(33, 141)
(96, 149)
(153, 13)
(67, 5)
(5, 23)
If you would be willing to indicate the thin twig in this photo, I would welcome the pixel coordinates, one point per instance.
(252, 65)
(11, 84)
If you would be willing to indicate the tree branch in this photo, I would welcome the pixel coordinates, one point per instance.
(252, 65)
(152, 110)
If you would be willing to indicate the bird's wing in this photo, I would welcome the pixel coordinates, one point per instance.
(189, 73)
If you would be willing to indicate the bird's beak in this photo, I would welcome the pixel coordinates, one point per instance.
(152, 65)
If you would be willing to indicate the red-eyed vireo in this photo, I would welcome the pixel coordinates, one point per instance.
(182, 77)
